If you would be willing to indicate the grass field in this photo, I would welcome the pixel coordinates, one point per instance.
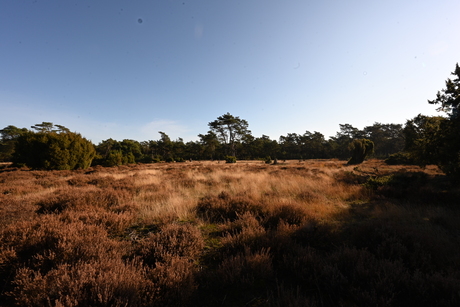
(310, 233)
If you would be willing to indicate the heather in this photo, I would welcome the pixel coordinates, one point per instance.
(298, 233)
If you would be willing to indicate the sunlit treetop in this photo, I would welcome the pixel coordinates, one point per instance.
(449, 98)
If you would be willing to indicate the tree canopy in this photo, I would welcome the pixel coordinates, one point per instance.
(447, 139)
(229, 129)
(449, 98)
(9, 135)
(53, 149)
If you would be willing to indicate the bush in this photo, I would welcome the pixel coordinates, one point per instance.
(230, 159)
(169, 159)
(150, 159)
(403, 158)
(225, 207)
(173, 240)
(53, 151)
(114, 158)
(374, 183)
(361, 150)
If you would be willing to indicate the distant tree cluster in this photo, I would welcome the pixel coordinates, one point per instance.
(387, 138)
(9, 136)
(422, 140)
(436, 140)
(51, 147)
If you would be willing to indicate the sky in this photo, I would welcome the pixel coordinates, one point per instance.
(127, 69)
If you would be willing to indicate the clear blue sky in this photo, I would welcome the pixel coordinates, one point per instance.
(128, 69)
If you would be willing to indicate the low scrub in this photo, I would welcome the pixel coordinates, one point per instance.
(313, 233)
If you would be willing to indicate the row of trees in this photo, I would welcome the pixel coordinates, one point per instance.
(228, 136)
(422, 140)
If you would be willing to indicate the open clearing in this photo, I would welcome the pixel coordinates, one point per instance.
(299, 233)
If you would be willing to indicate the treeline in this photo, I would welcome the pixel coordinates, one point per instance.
(56, 143)
(422, 140)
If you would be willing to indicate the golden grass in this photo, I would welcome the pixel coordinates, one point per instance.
(315, 232)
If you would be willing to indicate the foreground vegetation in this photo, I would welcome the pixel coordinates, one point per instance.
(314, 233)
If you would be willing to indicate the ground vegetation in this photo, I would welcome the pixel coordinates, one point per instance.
(298, 233)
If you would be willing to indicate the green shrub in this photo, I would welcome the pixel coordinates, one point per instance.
(53, 151)
(361, 149)
(403, 158)
(114, 158)
(375, 182)
(170, 159)
(230, 159)
(156, 159)
(398, 180)
(150, 159)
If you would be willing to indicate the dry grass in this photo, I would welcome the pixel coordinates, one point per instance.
(311, 233)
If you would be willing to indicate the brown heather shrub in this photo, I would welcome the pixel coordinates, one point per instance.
(323, 235)
(83, 198)
(246, 268)
(79, 180)
(102, 182)
(46, 242)
(51, 179)
(366, 279)
(287, 213)
(426, 247)
(115, 223)
(240, 279)
(95, 283)
(344, 277)
(17, 183)
(375, 281)
(245, 231)
(77, 264)
(286, 296)
(126, 184)
(35, 252)
(171, 241)
(225, 207)
(171, 255)
(15, 175)
(174, 280)
(13, 210)
(19, 190)
(298, 265)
